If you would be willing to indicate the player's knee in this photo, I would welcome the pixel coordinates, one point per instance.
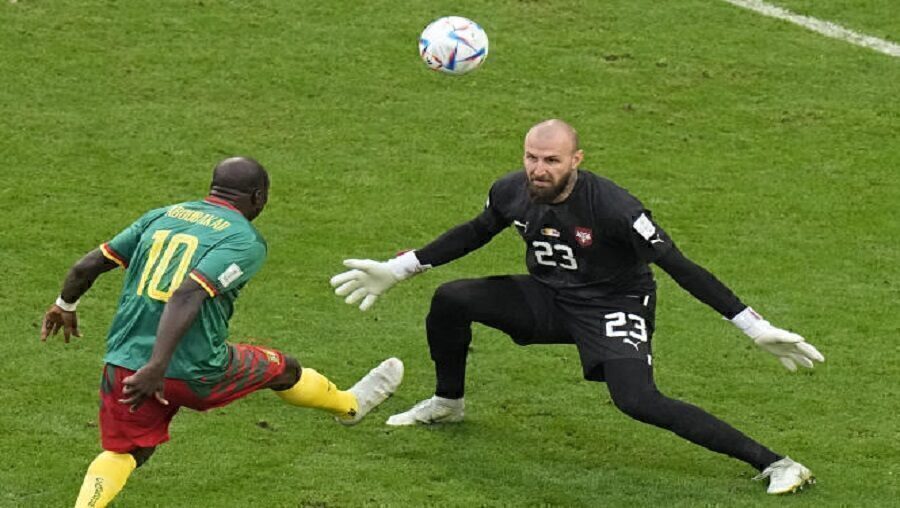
(451, 299)
(142, 455)
(289, 377)
(638, 404)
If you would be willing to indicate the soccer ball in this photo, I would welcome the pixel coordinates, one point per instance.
(453, 44)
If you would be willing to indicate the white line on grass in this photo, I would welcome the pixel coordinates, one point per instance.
(825, 28)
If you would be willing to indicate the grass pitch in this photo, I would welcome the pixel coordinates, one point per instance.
(768, 152)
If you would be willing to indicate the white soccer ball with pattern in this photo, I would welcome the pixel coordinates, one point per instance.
(453, 44)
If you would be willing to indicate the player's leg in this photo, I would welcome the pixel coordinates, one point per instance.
(634, 392)
(517, 305)
(306, 387)
(105, 478)
(617, 348)
(614, 338)
(252, 368)
(107, 475)
(129, 439)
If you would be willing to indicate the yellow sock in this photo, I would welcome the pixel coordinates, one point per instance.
(315, 390)
(105, 477)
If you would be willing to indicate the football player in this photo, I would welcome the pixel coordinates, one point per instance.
(588, 245)
(185, 265)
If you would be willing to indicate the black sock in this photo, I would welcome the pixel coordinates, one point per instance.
(449, 336)
(449, 348)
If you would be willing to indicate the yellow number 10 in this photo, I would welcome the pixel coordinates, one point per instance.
(160, 237)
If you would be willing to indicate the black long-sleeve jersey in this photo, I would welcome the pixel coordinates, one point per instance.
(596, 243)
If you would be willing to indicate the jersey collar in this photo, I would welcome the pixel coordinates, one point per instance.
(221, 202)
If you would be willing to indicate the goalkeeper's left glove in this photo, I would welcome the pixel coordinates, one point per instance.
(790, 348)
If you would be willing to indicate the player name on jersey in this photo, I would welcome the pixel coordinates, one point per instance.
(201, 218)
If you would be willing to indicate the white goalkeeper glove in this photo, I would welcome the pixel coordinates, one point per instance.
(790, 348)
(370, 279)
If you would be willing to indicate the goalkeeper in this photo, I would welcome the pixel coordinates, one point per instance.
(588, 248)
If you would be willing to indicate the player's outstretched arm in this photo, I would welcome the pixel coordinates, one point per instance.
(178, 315)
(367, 279)
(790, 349)
(61, 315)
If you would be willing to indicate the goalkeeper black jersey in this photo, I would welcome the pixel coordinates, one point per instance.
(598, 242)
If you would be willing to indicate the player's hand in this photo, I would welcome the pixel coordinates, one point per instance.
(56, 319)
(146, 382)
(366, 281)
(790, 348)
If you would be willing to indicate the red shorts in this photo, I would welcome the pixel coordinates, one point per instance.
(249, 369)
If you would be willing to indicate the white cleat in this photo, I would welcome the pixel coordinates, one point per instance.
(374, 388)
(786, 476)
(433, 410)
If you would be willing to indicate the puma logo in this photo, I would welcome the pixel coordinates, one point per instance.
(633, 343)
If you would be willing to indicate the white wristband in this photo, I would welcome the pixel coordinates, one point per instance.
(406, 265)
(750, 322)
(64, 305)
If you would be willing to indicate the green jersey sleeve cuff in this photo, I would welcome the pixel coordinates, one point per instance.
(110, 254)
(208, 286)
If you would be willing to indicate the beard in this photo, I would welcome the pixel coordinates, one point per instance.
(546, 195)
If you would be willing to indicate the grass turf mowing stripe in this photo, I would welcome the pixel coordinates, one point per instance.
(825, 28)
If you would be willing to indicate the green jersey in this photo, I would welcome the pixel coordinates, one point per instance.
(210, 242)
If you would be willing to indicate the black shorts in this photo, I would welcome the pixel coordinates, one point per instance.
(603, 329)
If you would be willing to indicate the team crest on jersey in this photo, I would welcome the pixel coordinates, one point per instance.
(550, 232)
(584, 236)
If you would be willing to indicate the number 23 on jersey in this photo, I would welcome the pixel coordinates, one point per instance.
(554, 254)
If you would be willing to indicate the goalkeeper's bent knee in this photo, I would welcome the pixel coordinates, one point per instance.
(316, 391)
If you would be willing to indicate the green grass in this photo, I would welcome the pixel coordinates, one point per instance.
(877, 18)
(768, 152)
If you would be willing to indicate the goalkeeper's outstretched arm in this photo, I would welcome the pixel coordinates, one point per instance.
(790, 348)
(367, 279)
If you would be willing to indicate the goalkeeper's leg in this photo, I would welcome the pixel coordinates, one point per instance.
(503, 302)
(633, 391)
(516, 305)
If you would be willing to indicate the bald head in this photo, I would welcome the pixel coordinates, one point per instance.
(243, 182)
(554, 131)
(240, 174)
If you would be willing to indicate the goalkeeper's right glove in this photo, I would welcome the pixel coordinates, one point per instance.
(368, 279)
